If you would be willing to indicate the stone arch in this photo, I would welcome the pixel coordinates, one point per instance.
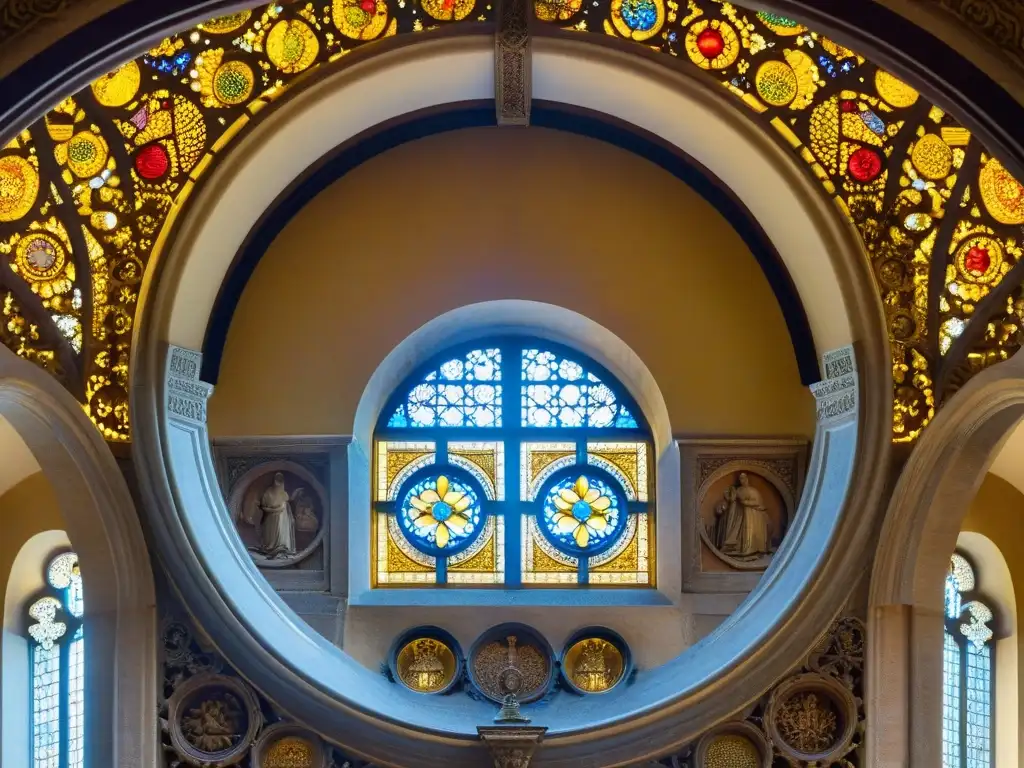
(103, 528)
(921, 527)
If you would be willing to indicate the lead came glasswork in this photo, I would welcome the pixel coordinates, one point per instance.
(578, 510)
(57, 659)
(967, 673)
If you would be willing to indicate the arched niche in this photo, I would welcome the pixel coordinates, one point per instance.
(925, 516)
(354, 706)
(102, 526)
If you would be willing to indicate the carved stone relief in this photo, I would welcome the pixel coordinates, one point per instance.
(739, 500)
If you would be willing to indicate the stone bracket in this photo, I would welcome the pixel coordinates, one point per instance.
(186, 394)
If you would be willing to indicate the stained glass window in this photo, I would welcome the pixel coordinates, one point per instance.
(967, 664)
(57, 662)
(577, 510)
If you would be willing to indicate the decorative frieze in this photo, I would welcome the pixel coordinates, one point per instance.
(186, 394)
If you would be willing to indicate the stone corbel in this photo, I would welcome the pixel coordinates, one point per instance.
(511, 746)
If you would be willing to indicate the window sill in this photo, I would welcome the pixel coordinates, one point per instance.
(527, 597)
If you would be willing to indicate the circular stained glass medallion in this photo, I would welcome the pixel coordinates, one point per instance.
(117, 88)
(19, 185)
(233, 82)
(1002, 193)
(39, 256)
(426, 665)
(292, 46)
(448, 10)
(441, 513)
(980, 259)
(556, 10)
(712, 44)
(583, 513)
(638, 19)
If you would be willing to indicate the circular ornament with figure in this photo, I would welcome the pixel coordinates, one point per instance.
(213, 720)
(289, 745)
(279, 509)
(811, 718)
(512, 658)
(426, 660)
(583, 511)
(595, 660)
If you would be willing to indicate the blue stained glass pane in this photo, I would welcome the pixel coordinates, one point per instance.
(582, 513)
(46, 707)
(461, 392)
(559, 392)
(440, 514)
(979, 706)
(950, 703)
(76, 701)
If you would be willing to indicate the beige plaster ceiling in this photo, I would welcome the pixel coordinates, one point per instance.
(1009, 463)
(18, 462)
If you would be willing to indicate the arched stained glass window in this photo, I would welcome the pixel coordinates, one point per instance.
(967, 671)
(57, 664)
(574, 508)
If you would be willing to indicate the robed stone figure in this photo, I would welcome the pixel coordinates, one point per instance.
(276, 521)
(742, 528)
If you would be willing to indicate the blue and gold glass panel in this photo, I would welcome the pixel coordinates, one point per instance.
(57, 656)
(577, 511)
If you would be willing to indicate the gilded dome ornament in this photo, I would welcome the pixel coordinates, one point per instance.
(426, 660)
(19, 185)
(595, 660)
(289, 745)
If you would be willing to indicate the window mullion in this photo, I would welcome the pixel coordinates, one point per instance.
(961, 641)
(63, 704)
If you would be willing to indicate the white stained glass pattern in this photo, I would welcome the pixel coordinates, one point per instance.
(979, 706)
(462, 392)
(559, 392)
(977, 631)
(950, 703)
(48, 630)
(76, 701)
(46, 706)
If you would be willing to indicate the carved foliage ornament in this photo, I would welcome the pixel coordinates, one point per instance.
(1001, 22)
(19, 16)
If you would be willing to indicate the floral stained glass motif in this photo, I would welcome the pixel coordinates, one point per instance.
(967, 672)
(461, 392)
(577, 511)
(57, 657)
(441, 513)
(559, 392)
(581, 513)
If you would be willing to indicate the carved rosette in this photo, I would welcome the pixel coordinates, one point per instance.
(213, 720)
(811, 718)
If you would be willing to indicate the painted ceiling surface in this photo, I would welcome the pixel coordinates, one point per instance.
(90, 193)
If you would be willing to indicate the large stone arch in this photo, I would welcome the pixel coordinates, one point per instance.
(104, 529)
(927, 508)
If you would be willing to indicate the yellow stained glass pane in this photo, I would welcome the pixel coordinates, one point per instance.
(483, 563)
(543, 564)
(631, 564)
(485, 461)
(396, 461)
(538, 461)
(397, 563)
(627, 462)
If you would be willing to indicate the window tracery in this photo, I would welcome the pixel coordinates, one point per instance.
(577, 511)
(57, 664)
(967, 705)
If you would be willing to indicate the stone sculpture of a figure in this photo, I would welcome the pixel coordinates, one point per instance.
(742, 527)
(277, 524)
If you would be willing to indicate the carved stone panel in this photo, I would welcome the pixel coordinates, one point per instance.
(739, 500)
(287, 499)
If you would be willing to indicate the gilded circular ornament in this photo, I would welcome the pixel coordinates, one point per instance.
(512, 657)
(776, 83)
(19, 185)
(865, 164)
(227, 23)
(1002, 194)
(360, 19)
(594, 663)
(917, 222)
(712, 44)
(902, 326)
(39, 256)
(287, 745)
(87, 154)
(732, 750)
(117, 88)
(894, 91)
(780, 25)
(289, 752)
(292, 46)
(233, 82)
(448, 10)
(426, 665)
(892, 272)
(638, 19)
(932, 157)
(556, 10)
(980, 259)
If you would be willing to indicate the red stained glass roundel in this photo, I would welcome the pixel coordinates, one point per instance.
(710, 43)
(151, 162)
(977, 261)
(865, 165)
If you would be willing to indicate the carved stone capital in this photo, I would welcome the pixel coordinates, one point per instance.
(511, 746)
(837, 394)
